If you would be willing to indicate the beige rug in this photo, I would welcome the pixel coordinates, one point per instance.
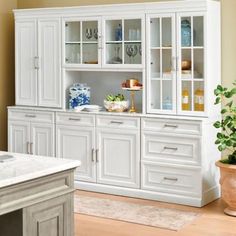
(135, 213)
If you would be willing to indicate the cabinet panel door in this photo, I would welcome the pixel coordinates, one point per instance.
(49, 218)
(18, 136)
(25, 56)
(118, 157)
(49, 67)
(78, 143)
(42, 139)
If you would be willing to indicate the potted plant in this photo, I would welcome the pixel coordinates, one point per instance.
(226, 141)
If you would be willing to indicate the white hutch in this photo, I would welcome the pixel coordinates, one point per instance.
(166, 150)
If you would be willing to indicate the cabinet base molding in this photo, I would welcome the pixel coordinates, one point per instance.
(209, 196)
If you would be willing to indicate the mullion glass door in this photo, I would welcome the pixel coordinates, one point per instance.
(161, 64)
(191, 64)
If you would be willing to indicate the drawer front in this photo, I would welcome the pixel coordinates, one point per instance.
(172, 126)
(75, 119)
(171, 179)
(177, 148)
(118, 122)
(31, 115)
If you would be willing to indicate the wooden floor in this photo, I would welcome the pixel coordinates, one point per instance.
(212, 222)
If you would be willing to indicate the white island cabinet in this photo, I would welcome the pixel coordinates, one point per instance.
(166, 151)
(36, 195)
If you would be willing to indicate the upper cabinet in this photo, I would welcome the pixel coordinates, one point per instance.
(104, 42)
(38, 62)
(176, 74)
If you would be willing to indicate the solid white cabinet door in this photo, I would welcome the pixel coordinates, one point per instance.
(77, 143)
(42, 139)
(25, 59)
(118, 157)
(49, 77)
(18, 136)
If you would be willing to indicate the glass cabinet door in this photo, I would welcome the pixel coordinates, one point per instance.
(82, 39)
(123, 42)
(161, 64)
(191, 63)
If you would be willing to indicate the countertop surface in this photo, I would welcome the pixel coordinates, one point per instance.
(23, 167)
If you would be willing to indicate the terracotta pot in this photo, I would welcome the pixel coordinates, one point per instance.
(228, 186)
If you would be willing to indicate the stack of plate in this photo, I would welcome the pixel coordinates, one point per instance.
(92, 108)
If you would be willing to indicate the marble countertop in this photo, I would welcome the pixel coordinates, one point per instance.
(25, 167)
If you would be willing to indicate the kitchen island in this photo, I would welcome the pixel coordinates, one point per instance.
(36, 195)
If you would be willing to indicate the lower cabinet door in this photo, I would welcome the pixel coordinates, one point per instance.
(118, 157)
(50, 218)
(77, 143)
(42, 139)
(18, 136)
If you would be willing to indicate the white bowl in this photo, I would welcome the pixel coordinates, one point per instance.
(116, 106)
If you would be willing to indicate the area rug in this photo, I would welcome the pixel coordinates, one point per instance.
(135, 213)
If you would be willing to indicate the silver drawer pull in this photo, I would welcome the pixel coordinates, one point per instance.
(171, 148)
(117, 122)
(75, 119)
(170, 126)
(171, 179)
(93, 159)
(30, 116)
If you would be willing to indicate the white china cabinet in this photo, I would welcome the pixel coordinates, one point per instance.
(163, 152)
(38, 63)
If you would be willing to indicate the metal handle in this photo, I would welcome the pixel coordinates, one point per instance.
(100, 42)
(30, 116)
(177, 63)
(97, 159)
(171, 148)
(117, 122)
(93, 160)
(171, 179)
(31, 148)
(28, 147)
(170, 126)
(36, 62)
(75, 119)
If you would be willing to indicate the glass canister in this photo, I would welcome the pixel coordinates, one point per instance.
(185, 33)
(79, 95)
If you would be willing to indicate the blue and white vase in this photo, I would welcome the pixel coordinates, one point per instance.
(79, 95)
(185, 33)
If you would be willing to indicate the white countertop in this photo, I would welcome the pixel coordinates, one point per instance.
(25, 167)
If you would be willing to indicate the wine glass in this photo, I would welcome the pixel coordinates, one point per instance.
(131, 51)
(95, 33)
(88, 33)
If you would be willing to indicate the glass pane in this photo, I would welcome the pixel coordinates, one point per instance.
(166, 63)
(72, 53)
(133, 53)
(198, 96)
(114, 53)
(90, 53)
(198, 34)
(155, 95)
(90, 30)
(155, 32)
(166, 32)
(155, 63)
(186, 64)
(113, 30)
(132, 30)
(167, 95)
(186, 32)
(72, 31)
(198, 63)
(186, 96)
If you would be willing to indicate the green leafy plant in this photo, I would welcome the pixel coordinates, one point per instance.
(226, 137)
(115, 98)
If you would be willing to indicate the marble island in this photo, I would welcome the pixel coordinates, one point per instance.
(36, 195)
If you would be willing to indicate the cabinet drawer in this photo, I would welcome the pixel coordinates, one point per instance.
(31, 115)
(172, 126)
(75, 119)
(171, 148)
(118, 122)
(171, 179)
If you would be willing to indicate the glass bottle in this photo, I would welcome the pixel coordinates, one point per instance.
(199, 100)
(118, 33)
(185, 33)
(185, 100)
